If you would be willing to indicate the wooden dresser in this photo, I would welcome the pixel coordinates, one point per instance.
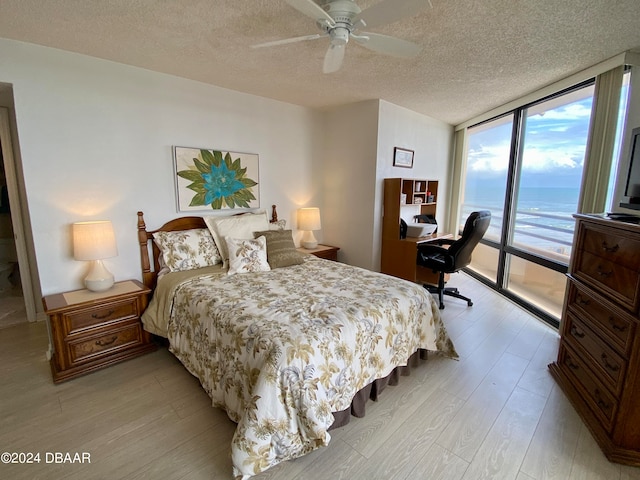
(598, 364)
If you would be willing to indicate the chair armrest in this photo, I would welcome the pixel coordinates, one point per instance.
(437, 245)
(431, 249)
(445, 241)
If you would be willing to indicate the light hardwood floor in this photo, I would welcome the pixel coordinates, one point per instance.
(494, 414)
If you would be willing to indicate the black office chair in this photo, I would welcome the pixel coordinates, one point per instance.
(456, 256)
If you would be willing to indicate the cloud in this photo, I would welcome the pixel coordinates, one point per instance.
(573, 111)
(536, 158)
(491, 158)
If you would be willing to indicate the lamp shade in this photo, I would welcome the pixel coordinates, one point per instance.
(94, 240)
(309, 218)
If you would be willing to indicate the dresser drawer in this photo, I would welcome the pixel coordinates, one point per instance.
(90, 348)
(613, 246)
(617, 325)
(618, 282)
(610, 366)
(79, 320)
(594, 394)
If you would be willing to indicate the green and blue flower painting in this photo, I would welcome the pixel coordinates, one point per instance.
(216, 179)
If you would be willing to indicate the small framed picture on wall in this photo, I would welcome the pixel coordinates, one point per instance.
(402, 157)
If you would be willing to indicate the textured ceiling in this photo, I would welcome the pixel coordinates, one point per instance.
(477, 54)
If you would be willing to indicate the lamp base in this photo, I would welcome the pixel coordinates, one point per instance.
(309, 240)
(99, 278)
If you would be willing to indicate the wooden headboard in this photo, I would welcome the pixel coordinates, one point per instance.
(149, 276)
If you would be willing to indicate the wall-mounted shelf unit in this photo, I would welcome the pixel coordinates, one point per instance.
(416, 192)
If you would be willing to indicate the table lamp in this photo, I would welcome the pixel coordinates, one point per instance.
(308, 221)
(95, 241)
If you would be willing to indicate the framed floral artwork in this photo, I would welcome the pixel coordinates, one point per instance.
(215, 179)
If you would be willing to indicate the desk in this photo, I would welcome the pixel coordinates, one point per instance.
(400, 258)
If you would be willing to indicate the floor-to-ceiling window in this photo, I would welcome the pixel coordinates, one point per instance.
(526, 167)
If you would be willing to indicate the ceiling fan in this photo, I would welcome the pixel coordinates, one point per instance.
(340, 20)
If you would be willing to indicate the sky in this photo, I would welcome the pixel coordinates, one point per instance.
(554, 145)
(554, 148)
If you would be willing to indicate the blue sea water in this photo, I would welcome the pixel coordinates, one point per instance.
(543, 219)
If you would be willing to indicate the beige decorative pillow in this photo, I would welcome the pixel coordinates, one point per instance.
(281, 251)
(235, 226)
(187, 249)
(278, 225)
(247, 256)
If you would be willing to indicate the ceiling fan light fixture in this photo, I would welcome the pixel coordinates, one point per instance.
(339, 36)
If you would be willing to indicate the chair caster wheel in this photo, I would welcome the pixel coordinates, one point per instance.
(469, 304)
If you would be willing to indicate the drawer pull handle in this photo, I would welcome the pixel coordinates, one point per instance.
(581, 300)
(601, 403)
(576, 332)
(605, 360)
(604, 274)
(609, 249)
(102, 317)
(616, 326)
(104, 343)
(572, 365)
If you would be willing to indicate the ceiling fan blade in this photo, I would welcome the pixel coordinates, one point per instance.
(387, 45)
(290, 40)
(311, 9)
(389, 11)
(333, 58)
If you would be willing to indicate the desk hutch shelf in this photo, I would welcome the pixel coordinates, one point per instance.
(420, 197)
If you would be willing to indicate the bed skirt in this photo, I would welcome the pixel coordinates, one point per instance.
(371, 391)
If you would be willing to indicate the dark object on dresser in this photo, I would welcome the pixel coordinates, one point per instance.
(598, 365)
(456, 257)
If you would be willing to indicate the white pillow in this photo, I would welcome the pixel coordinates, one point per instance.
(278, 225)
(247, 256)
(187, 249)
(235, 226)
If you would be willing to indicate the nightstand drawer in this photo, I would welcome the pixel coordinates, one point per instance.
(322, 251)
(80, 320)
(87, 349)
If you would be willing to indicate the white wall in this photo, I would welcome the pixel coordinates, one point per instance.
(430, 139)
(348, 172)
(95, 142)
(360, 141)
(95, 139)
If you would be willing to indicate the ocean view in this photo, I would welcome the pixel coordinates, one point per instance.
(544, 215)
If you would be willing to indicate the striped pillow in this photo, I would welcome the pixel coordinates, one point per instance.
(281, 251)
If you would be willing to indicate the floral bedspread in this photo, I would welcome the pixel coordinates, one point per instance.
(281, 350)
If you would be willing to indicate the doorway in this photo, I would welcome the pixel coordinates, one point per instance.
(19, 286)
(12, 306)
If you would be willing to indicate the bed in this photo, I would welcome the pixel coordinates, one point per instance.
(288, 352)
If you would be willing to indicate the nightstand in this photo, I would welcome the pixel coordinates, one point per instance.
(322, 251)
(92, 330)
